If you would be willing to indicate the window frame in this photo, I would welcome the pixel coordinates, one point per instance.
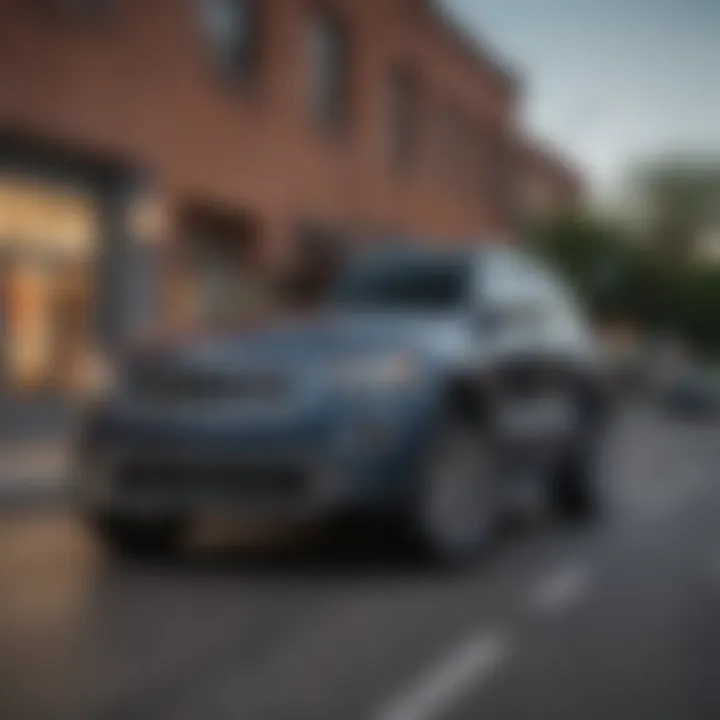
(404, 115)
(328, 32)
(85, 11)
(238, 65)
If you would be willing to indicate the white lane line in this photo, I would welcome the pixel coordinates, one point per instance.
(558, 592)
(443, 685)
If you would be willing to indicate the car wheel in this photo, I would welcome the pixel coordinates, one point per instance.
(134, 538)
(575, 490)
(455, 509)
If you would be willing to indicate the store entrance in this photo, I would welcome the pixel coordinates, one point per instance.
(48, 234)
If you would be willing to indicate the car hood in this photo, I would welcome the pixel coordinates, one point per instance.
(295, 343)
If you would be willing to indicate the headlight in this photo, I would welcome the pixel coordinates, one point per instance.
(98, 378)
(388, 373)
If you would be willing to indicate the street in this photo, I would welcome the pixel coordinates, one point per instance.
(620, 620)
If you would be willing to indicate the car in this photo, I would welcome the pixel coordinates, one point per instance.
(691, 395)
(432, 389)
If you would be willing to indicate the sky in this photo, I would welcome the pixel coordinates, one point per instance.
(610, 81)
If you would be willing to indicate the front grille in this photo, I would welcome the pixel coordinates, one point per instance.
(521, 381)
(198, 386)
(214, 480)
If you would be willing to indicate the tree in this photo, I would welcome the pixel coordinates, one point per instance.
(621, 278)
(607, 270)
(679, 199)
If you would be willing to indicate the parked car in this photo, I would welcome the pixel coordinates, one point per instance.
(692, 395)
(430, 389)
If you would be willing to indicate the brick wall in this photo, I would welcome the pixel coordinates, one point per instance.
(134, 82)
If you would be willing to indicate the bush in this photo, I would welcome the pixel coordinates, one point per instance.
(698, 309)
(620, 278)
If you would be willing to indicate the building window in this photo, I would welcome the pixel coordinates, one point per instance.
(232, 28)
(217, 278)
(465, 158)
(329, 71)
(502, 177)
(482, 170)
(460, 152)
(404, 117)
(78, 8)
(450, 145)
(317, 256)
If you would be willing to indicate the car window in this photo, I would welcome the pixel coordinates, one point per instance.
(422, 283)
(511, 292)
(505, 279)
(560, 320)
(564, 318)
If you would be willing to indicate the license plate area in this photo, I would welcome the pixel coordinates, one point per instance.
(231, 480)
(543, 417)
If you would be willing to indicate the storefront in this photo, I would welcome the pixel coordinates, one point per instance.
(89, 259)
(48, 239)
(79, 265)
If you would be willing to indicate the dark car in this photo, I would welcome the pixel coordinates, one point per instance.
(433, 388)
(692, 395)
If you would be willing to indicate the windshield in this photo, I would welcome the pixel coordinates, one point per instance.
(430, 283)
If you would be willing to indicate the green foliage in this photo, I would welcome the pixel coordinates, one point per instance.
(620, 277)
(681, 198)
(699, 308)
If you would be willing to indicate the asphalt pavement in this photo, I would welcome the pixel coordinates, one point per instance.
(619, 620)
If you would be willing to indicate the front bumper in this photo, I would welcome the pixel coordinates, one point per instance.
(134, 482)
(309, 462)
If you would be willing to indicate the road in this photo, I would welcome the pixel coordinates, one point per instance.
(619, 621)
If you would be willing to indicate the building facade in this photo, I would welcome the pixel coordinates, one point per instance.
(158, 156)
(547, 186)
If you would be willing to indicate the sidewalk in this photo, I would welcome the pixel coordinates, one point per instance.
(33, 471)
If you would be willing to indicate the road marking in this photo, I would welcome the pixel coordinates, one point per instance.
(558, 592)
(467, 668)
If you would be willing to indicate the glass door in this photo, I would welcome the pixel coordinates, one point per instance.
(47, 234)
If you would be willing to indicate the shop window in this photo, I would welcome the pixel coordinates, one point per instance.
(47, 239)
(319, 252)
(219, 279)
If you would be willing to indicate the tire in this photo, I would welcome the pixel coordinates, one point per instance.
(575, 491)
(454, 511)
(131, 538)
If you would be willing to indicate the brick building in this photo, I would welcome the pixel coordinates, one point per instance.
(157, 155)
(547, 186)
